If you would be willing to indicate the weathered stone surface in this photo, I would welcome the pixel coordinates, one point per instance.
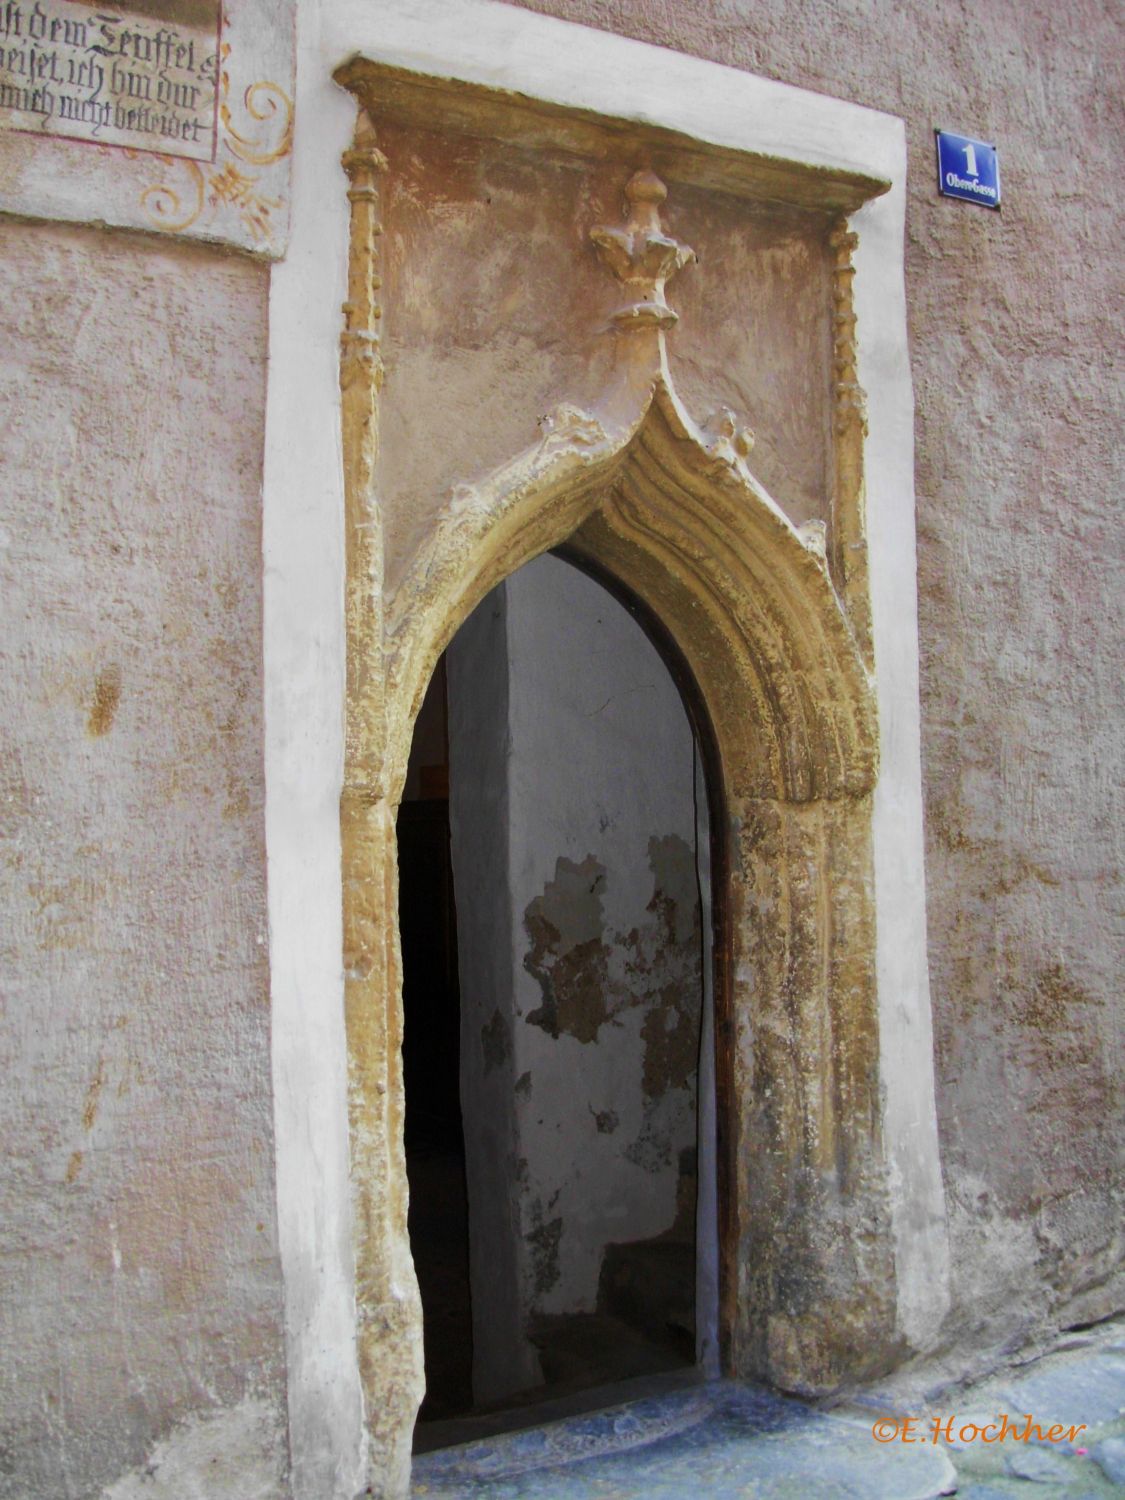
(1079, 1388)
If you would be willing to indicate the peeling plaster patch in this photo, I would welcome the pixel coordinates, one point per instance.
(237, 1452)
(523, 1085)
(675, 886)
(575, 985)
(568, 956)
(107, 696)
(651, 1151)
(544, 1241)
(671, 1036)
(571, 954)
(496, 1042)
(590, 975)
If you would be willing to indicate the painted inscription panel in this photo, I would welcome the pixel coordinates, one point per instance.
(145, 76)
(174, 116)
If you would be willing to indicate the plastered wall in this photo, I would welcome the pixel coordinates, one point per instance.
(140, 1298)
(574, 850)
(1016, 363)
(473, 231)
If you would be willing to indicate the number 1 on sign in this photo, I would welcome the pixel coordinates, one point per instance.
(970, 160)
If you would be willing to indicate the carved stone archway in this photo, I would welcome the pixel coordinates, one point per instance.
(670, 509)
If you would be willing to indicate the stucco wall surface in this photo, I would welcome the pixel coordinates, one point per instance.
(473, 232)
(607, 985)
(1014, 321)
(140, 1300)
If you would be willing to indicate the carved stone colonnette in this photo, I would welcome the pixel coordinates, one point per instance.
(388, 1307)
(672, 512)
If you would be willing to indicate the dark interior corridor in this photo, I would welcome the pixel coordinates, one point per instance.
(642, 1322)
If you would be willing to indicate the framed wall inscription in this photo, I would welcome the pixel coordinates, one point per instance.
(145, 76)
(166, 115)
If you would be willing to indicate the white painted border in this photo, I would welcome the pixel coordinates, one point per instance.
(500, 46)
(303, 546)
(906, 1047)
(503, 47)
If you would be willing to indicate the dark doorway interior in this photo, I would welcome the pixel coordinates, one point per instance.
(435, 1146)
(642, 1324)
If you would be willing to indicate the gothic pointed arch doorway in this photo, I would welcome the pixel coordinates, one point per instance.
(781, 681)
(770, 621)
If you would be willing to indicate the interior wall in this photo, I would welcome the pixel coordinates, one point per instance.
(1020, 590)
(478, 690)
(582, 1033)
(140, 1300)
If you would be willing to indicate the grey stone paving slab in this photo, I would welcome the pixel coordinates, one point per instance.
(1038, 1466)
(1087, 1388)
(1110, 1458)
(730, 1441)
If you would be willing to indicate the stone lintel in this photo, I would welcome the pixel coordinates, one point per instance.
(453, 105)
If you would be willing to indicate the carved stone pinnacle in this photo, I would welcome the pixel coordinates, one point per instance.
(641, 255)
(363, 158)
(727, 438)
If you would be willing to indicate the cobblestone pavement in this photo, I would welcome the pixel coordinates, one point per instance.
(727, 1439)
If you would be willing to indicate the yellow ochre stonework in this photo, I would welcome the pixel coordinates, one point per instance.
(670, 508)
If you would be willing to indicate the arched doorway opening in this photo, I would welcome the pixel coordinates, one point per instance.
(563, 1168)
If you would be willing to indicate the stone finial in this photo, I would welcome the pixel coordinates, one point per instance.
(641, 255)
(814, 538)
(728, 439)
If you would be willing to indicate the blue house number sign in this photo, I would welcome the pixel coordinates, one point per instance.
(968, 169)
